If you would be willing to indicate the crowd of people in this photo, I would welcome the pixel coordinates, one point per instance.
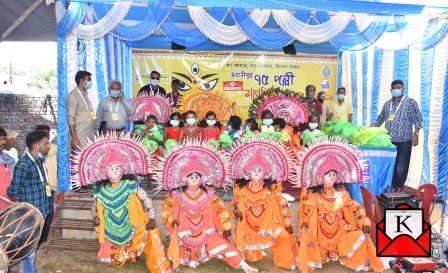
(31, 177)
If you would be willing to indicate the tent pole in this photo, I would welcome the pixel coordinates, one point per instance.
(17, 23)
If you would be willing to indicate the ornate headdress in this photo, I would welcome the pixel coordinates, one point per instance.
(194, 156)
(218, 104)
(91, 159)
(152, 104)
(282, 103)
(331, 153)
(269, 154)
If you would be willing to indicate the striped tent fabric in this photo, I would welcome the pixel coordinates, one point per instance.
(367, 76)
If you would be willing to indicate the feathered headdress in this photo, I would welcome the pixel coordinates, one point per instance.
(193, 156)
(91, 158)
(213, 102)
(149, 103)
(331, 153)
(269, 154)
(283, 104)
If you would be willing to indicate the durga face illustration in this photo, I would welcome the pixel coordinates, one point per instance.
(195, 80)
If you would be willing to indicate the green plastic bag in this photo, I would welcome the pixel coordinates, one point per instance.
(225, 140)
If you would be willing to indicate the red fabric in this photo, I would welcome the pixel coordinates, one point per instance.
(5, 181)
(211, 132)
(173, 133)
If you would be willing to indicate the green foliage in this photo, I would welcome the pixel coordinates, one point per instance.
(37, 78)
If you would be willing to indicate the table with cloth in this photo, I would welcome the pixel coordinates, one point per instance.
(381, 163)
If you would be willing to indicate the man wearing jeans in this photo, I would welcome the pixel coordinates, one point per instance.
(30, 184)
(403, 120)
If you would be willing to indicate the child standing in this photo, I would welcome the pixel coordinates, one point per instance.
(234, 127)
(268, 120)
(252, 126)
(174, 127)
(312, 131)
(191, 129)
(210, 127)
(151, 135)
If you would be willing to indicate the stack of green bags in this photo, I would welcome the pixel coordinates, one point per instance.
(366, 137)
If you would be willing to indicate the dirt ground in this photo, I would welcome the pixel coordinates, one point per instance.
(79, 262)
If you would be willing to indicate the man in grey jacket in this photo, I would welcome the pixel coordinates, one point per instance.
(113, 111)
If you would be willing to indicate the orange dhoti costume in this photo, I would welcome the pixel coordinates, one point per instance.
(125, 216)
(332, 226)
(196, 219)
(199, 232)
(262, 213)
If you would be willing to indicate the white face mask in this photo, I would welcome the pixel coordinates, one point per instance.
(191, 121)
(268, 122)
(154, 129)
(155, 82)
(211, 122)
(313, 125)
(174, 122)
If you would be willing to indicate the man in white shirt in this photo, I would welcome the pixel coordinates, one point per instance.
(11, 142)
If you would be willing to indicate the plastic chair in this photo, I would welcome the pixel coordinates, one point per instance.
(428, 194)
(372, 210)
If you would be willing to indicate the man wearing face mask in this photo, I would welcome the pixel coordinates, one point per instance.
(403, 119)
(114, 110)
(341, 109)
(153, 86)
(313, 105)
(30, 185)
(80, 114)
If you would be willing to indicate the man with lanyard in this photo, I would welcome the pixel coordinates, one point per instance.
(80, 114)
(30, 184)
(175, 95)
(6, 164)
(400, 114)
(341, 109)
(153, 86)
(114, 110)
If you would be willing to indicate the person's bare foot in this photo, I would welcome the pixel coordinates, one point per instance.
(248, 269)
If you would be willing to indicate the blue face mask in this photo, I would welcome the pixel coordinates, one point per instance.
(154, 129)
(89, 85)
(340, 96)
(39, 154)
(174, 122)
(115, 93)
(396, 93)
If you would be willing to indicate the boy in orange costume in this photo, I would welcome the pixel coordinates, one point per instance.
(262, 213)
(332, 226)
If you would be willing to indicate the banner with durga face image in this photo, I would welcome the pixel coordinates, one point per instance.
(227, 82)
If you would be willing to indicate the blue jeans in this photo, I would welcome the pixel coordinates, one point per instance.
(28, 265)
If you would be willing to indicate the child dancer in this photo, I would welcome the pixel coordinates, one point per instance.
(188, 211)
(262, 214)
(312, 131)
(125, 216)
(332, 226)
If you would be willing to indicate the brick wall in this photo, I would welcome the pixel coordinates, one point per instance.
(22, 112)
